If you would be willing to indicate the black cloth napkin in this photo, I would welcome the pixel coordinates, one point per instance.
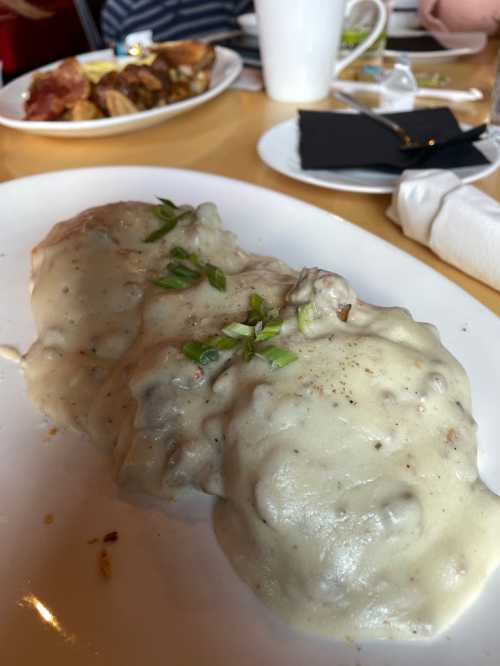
(330, 140)
(417, 44)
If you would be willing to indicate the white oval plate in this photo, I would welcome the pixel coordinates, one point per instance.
(278, 148)
(173, 598)
(227, 67)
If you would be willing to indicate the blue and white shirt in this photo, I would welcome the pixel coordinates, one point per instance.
(170, 19)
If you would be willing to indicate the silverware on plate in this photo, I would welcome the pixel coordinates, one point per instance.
(407, 142)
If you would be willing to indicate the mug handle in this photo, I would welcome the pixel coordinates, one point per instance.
(372, 37)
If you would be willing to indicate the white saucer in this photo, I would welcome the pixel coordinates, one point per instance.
(278, 148)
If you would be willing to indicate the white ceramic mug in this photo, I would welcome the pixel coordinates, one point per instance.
(299, 43)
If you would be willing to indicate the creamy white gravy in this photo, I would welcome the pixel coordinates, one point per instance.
(348, 486)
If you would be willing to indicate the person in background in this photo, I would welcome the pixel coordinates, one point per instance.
(170, 19)
(461, 15)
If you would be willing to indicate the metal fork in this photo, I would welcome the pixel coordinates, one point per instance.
(407, 142)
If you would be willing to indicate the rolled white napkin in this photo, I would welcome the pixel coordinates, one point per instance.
(458, 222)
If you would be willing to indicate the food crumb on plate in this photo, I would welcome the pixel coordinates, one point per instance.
(111, 537)
(104, 564)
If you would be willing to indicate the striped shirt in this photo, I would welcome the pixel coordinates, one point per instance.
(170, 19)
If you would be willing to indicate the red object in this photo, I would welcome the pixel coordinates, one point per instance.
(53, 92)
(28, 43)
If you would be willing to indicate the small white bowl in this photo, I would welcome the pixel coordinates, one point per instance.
(248, 23)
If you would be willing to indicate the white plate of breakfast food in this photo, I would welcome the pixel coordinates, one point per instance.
(98, 94)
(334, 514)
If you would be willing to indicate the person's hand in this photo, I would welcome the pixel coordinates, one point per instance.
(461, 15)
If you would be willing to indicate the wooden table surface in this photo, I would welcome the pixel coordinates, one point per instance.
(220, 137)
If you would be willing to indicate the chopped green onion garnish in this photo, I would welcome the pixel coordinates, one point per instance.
(237, 330)
(167, 202)
(258, 310)
(183, 213)
(199, 352)
(222, 343)
(172, 282)
(214, 274)
(161, 231)
(169, 216)
(271, 329)
(277, 356)
(305, 315)
(165, 209)
(216, 277)
(164, 214)
(247, 349)
(179, 252)
(258, 304)
(183, 271)
(194, 259)
(245, 336)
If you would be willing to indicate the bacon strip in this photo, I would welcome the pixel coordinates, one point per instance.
(52, 93)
